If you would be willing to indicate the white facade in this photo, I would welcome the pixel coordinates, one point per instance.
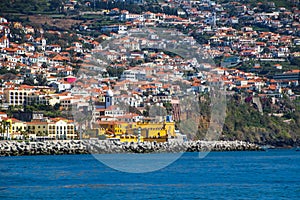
(61, 130)
(131, 17)
(16, 97)
(133, 75)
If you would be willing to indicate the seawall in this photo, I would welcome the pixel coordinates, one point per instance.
(59, 147)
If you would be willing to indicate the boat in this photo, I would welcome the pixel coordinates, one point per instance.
(266, 147)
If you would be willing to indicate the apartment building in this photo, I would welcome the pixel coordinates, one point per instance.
(16, 96)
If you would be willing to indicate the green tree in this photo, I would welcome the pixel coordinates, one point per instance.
(168, 107)
(41, 80)
(44, 65)
(115, 71)
(28, 81)
(55, 5)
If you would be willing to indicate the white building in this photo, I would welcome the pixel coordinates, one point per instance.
(130, 17)
(134, 75)
(61, 129)
(17, 97)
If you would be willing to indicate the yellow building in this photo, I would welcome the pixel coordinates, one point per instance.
(12, 128)
(156, 129)
(57, 128)
(138, 131)
(37, 129)
(19, 129)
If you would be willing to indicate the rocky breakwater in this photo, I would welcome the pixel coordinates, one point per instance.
(14, 148)
(99, 146)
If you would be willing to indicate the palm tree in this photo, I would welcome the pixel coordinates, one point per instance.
(2, 130)
(6, 126)
(18, 132)
(24, 134)
(45, 133)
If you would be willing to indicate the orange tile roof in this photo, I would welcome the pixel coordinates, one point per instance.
(37, 123)
(272, 87)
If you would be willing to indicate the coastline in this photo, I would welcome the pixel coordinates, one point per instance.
(64, 147)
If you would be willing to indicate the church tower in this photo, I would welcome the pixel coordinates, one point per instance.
(109, 98)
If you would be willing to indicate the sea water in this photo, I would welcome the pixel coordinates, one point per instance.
(274, 174)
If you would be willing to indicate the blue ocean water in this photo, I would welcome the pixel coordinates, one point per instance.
(274, 174)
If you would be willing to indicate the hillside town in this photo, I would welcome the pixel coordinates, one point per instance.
(132, 77)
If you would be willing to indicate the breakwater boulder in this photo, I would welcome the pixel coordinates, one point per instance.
(15, 148)
(59, 147)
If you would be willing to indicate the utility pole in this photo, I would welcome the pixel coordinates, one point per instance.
(139, 135)
(80, 133)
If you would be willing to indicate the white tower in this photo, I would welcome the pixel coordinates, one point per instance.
(109, 98)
